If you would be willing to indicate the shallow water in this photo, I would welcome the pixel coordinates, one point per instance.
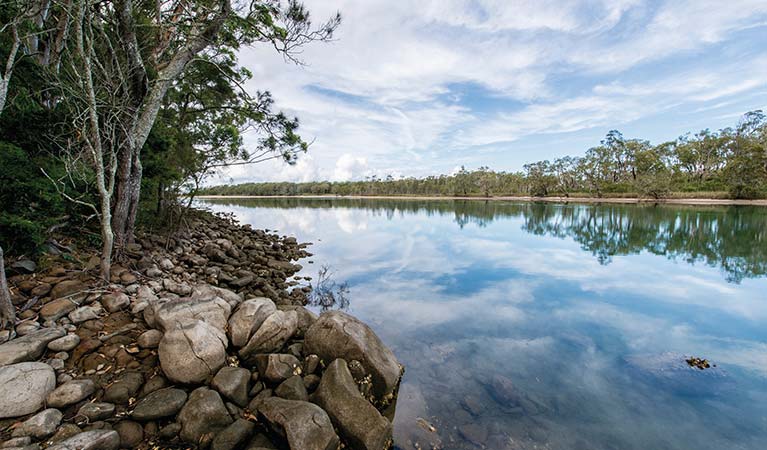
(552, 326)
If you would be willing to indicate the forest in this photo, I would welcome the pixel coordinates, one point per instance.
(729, 163)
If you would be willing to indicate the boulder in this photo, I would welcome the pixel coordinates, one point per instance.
(358, 421)
(192, 352)
(67, 288)
(29, 347)
(41, 425)
(233, 435)
(305, 425)
(161, 403)
(149, 339)
(233, 383)
(90, 440)
(338, 335)
(292, 389)
(64, 343)
(272, 335)
(168, 315)
(115, 302)
(306, 318)
(248, 318)
(203, 416)
(57, 309)
(276, 368)
(70, 393)
(24, 388)
(208, 292)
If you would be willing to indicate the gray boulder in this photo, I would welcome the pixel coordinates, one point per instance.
(208, 292)
(248, 318)
(24, 388)
(41, 425)
(292, 389)
(161, 403)
(276, 367)
(358, 421)
(28, 347)
(90, 440)
(339, 335)
(305, 425)
(306, 318)
(56, 309)
(85, 313)
(170, 314)
(233, 383)
(70, 393)
(192, 352)
(115, 302)
(64, 343)
(149, 339)
(233, 435)
(203, 416)
(272, 335)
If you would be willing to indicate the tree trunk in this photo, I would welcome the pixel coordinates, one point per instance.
(7, 310)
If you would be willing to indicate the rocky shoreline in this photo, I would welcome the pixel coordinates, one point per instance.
(199, 341)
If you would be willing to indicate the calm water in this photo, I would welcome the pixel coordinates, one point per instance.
(553, 326)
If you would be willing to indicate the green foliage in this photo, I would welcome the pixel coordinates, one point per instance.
(727, 160)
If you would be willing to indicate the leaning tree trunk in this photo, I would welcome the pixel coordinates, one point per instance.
(7, 311)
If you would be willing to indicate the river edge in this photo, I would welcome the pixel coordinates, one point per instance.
(202, 339)
(594, 200)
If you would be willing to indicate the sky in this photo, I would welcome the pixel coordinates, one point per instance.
(422, 87)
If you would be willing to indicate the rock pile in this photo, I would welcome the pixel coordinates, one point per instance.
(205, 344)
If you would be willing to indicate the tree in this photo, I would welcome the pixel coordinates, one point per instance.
(746, 169)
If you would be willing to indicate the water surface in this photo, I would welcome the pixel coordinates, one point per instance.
(544, 326)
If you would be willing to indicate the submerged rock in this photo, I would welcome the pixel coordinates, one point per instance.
(338, 335)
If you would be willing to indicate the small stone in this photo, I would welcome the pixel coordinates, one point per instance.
(155, 383)
(90, 440)
(233, 383)
(311, 382)
(67, 288)
(41, 425)
(84, 313)
(71, 392)
(233, 435)
(169, 432)
(149, 339)
(97, 411)
(124, 388)
(65, 431)
(292, 389)
(161, 403)
(131, 433)
(64, 343)
(311, 363)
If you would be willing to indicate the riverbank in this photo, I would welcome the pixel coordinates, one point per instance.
(202, 339)
(624, 200)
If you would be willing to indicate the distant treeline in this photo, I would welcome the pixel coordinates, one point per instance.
(732, 161)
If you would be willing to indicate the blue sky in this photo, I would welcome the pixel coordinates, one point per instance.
(419, 87)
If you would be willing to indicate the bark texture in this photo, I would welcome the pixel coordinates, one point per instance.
(7, 310)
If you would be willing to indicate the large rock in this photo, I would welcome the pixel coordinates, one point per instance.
(57, 309)
(305, 426)
(23, 388)
(70, 393)
(115, 302)
(276, 368)
(170, 314)
(248, 318)
(203, 416)
(272, 335)
(28, 347)
(193, 352)
(208, 292)
(306, 318)
(233, 383)
(161, 403)
(90, 440)
(41, 425)
(359, 422)
(67, 288)
(338, 335)
(292, 389)
(233, 435)
(131, 433)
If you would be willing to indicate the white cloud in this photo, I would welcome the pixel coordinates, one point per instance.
(385, 89)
